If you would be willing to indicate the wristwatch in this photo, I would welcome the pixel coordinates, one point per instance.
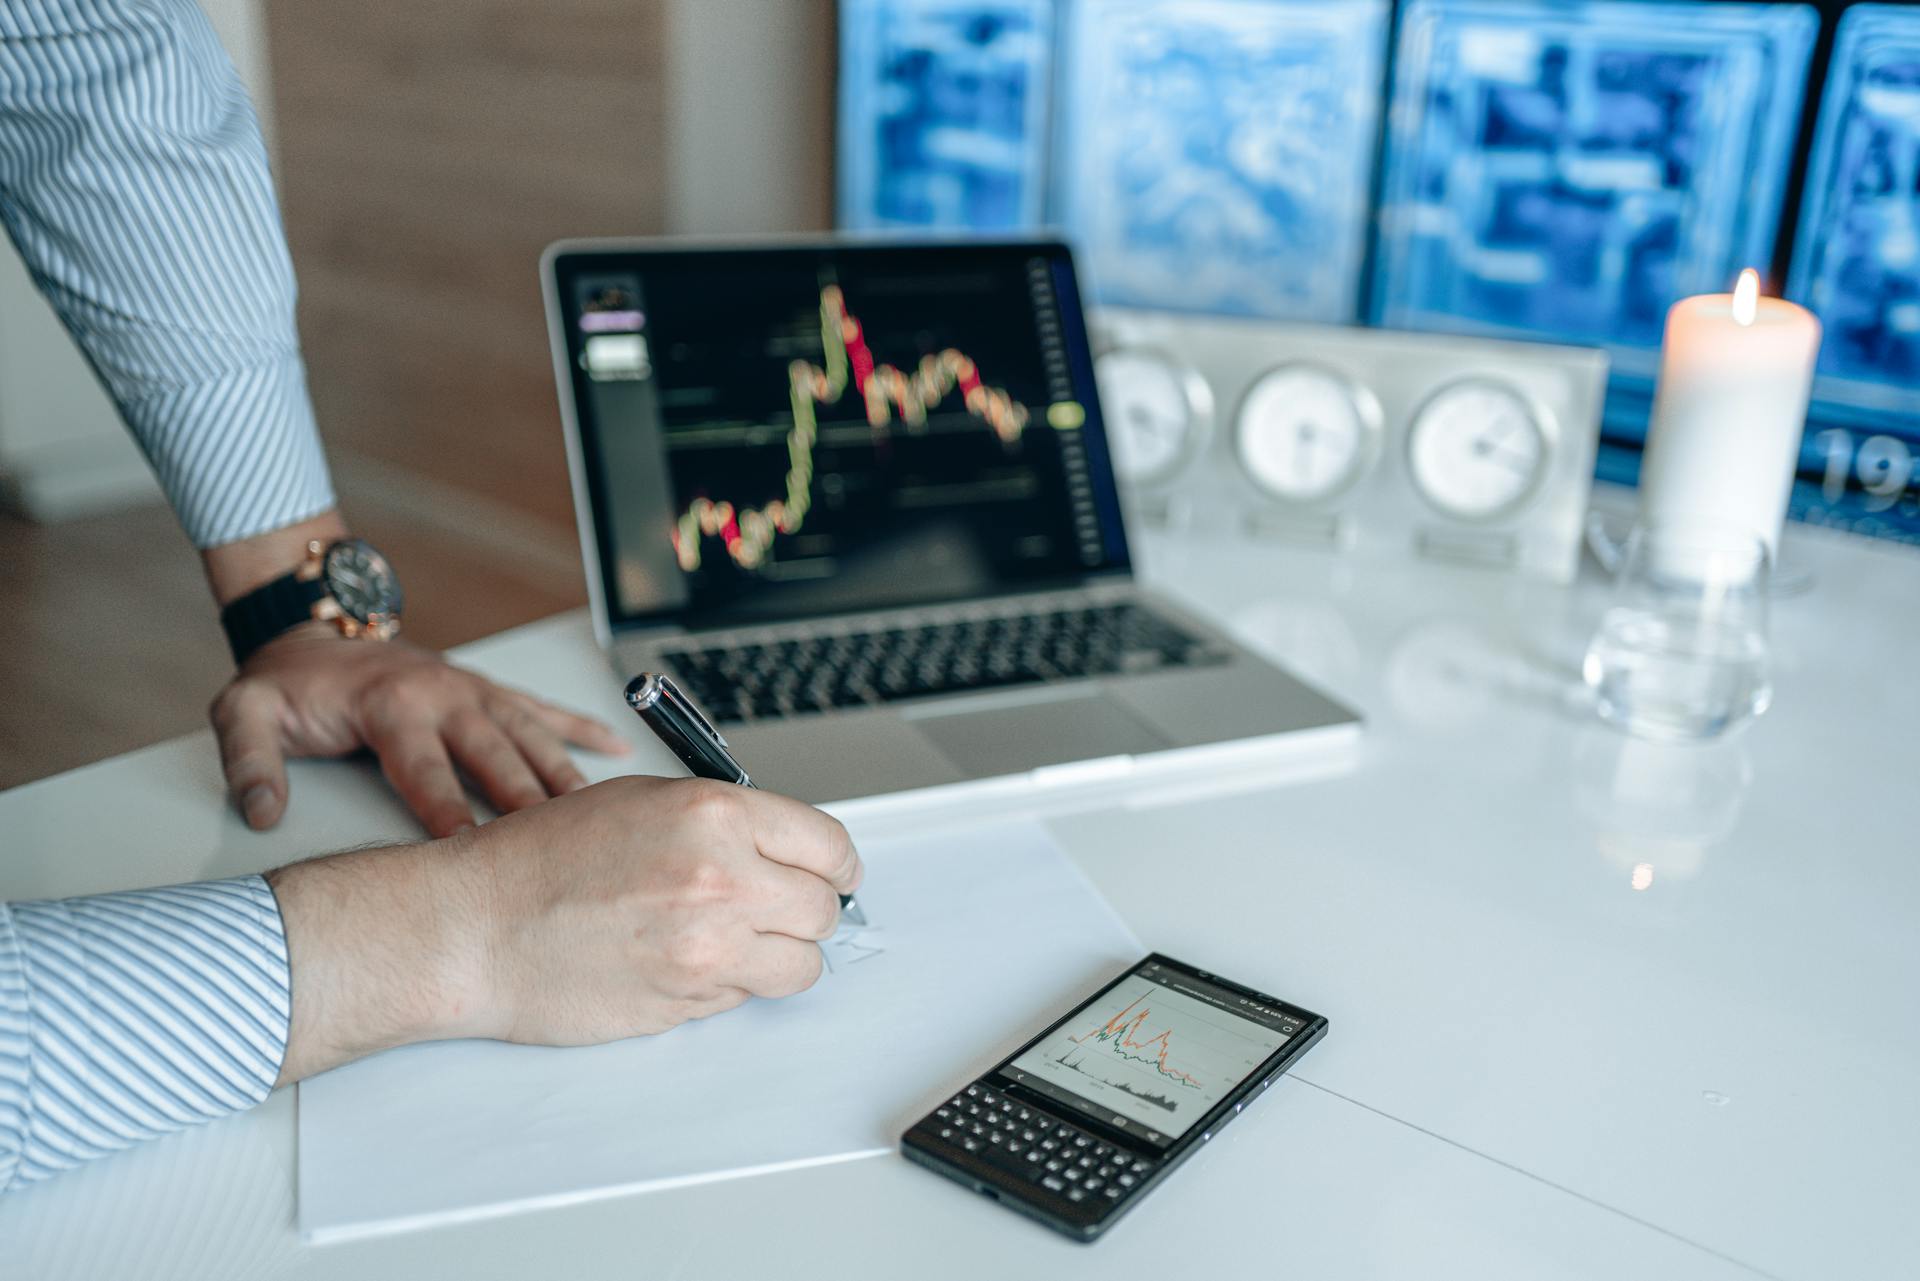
(348, 583)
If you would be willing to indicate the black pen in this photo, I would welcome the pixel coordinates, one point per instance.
(671, 715)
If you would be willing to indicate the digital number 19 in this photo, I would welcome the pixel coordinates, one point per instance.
(1884, 466)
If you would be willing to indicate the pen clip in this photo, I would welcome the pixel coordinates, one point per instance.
(672, 691)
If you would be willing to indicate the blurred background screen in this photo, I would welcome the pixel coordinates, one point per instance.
(1218, 156)
(1567, 172)
(944, 114)
(1856, 263)
(1560, 171)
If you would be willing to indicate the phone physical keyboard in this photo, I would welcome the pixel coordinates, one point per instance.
(1041, 1149)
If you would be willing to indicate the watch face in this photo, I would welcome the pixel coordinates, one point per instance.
(362, 581)
(1306, 433)
(1477, 449)
(1156, 412)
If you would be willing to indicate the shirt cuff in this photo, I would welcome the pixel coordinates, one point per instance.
(138, 1014)
(238, 454)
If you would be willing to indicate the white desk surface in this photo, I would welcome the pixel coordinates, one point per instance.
(1534, 1070)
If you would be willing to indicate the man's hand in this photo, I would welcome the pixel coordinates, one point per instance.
(624, 909)
(312, 692)
(644, 902)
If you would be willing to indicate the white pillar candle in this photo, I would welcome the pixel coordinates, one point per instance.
(1735, 373)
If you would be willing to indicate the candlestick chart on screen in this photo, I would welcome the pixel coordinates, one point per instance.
(887, 396)
(810, 432)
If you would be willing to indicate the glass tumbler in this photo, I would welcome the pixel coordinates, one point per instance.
(1681, 652)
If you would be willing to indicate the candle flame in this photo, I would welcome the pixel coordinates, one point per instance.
(1746, 297)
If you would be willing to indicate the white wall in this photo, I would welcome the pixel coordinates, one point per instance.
(63, 451)
(750, 120)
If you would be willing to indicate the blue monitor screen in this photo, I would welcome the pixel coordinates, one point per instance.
(1856, 264)
(1567, 171)
(1550, 169)
(944, 113)
(1217, 155)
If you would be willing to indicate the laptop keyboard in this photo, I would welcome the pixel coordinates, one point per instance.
(764, 681)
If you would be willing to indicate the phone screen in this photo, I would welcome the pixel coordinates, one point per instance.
(1153, 1053)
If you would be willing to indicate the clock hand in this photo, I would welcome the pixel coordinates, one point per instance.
(1307, 437)
(1518, 463)
(1488, 447)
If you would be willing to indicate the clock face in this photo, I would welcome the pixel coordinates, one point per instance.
(1477, 449)
(1156, 412)
(362, 581)
(1305, 433)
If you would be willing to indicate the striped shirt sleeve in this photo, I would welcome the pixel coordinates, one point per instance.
(134, 181)
(127, 1016)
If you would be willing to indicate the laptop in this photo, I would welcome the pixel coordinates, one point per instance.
(858, 500)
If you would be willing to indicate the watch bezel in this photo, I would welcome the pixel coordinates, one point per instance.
(377, 623)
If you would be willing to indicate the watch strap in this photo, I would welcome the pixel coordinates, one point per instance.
(267, 611)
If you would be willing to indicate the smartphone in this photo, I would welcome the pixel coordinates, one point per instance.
(1081, 1122)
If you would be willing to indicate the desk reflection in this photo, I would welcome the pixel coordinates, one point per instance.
(1657, 808)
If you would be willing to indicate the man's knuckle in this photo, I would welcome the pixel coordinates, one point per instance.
(497, 759)
(706, 882)
(516, 718)
(712, 805)
(231, 703)
(456, 686)
(847, 858)
(466, 722)
(699, 956)
(401, 699)
(379, 715)
(548, 757)
(828, 917)
(422, 766)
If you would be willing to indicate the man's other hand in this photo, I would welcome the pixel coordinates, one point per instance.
(313, 692)
(641, 903)
(626, 908)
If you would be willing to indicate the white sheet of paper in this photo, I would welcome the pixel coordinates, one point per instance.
(976, 938)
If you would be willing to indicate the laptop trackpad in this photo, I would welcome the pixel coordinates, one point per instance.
(1024, 736)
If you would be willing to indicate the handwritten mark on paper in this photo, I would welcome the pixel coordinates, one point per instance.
(851, 945)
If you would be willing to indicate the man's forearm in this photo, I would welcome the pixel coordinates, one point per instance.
(621, 910)
(387, 947)
(234, 569)
(127, 1016)
(137, 190)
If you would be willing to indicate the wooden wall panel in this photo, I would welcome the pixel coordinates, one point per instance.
(427, 151)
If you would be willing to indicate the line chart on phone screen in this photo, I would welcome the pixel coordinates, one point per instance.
(1157, 1056)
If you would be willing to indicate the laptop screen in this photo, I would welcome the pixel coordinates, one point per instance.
(776, 433)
